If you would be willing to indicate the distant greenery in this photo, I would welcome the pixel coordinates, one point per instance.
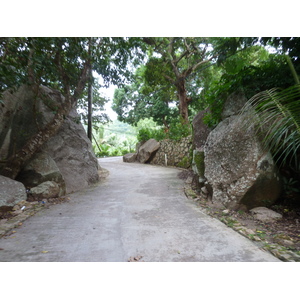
(118, 138)
(114, 139)
(176, 131)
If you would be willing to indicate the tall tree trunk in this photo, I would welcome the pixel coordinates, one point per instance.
(183, 100)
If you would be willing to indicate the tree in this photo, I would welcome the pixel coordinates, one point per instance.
(63, 64)
(276, 113)
(174, 60)
(133, 102)
(246, 64)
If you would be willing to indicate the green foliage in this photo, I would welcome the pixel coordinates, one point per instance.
(98, 102)
(177, 130)
(114, 139)
(253, 70)
(62, 63)
(290, 186)
(185, 163)
(147, 129)
(145, 134)
(169, 72)
(104, 151)
(276, 113)
(139, 101)
(199, 162)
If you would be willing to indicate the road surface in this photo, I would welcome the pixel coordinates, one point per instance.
(138, 212)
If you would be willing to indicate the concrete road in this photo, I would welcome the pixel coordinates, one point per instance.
(138, 210)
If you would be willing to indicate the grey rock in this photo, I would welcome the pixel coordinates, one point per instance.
(47, 189)
(24, 113)
(67, 158)
(147, 150)
(72, 152)
(234, 104)
(11, 192)
(204, 190)
(198, 166)
(200, 130)
(41, 168)
(129, 157)
(241, 174)
(265, 214)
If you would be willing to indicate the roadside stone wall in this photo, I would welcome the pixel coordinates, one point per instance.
(174, 153)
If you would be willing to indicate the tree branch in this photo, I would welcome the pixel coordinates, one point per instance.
(172, 58)
(169, 78)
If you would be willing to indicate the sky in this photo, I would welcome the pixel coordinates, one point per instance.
(108, 93)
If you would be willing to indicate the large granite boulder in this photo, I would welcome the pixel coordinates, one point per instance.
(147, 151)
(23, 113)
(12, 192)
(240, 172)
(73, 154)
(66, 158)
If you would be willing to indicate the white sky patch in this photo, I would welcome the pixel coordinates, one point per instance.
(109, 93)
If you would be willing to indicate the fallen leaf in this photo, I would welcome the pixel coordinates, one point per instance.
(44, 251)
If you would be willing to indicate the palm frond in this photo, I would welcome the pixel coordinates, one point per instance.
(276, 115)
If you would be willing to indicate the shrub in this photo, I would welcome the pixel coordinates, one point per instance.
(178, 130)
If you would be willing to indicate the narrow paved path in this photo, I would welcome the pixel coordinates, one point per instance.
(138, 210)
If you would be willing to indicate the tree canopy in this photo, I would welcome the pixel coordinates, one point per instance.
(63, 64)
(171, 63)
(175, 73)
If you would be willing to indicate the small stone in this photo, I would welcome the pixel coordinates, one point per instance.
(189, 180)
(265, 214)
(16, 212)
(225, 211)
(204, 190)
(287, 243)
(16, 207)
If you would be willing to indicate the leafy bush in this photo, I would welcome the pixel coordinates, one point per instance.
(145, 134)
(125, 151)
(252, 79)
(104, 151)
(185, 163)
(178, 130)
(115, 152)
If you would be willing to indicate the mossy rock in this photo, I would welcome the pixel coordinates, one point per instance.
(198, 163)
(185, 163)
